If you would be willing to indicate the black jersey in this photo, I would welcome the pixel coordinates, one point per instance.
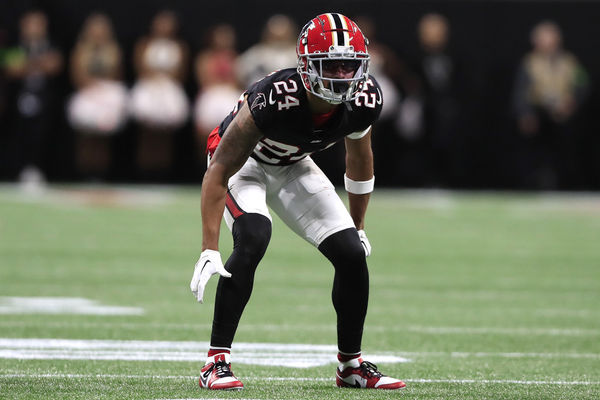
(281, 111)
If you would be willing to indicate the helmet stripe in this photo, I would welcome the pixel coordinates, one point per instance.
(332, 28)
(347, 26)
(340, 30)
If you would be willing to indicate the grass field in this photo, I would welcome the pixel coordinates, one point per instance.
(473, 296)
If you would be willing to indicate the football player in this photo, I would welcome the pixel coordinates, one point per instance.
(260, 155)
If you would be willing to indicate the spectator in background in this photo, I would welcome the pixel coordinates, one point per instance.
(431, 115)
(395, 78)
(4, 134)
(550, 88)
(276, 50)
(99, 107)
(3, 88)
(158, 101)
(33, 65)
(217, 82)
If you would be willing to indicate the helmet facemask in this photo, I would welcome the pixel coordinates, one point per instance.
(317, 70)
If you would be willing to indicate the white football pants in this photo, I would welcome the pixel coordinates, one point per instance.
(300, 194)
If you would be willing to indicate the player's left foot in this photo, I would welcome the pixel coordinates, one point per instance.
(217, 375)
(357, 373)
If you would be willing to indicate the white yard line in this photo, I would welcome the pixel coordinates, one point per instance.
(62, 305)
(503, 331)
(483, 354)
(567, 312)
(96, 376)
(67, 196)
(285, 354)
(505, 382)
(436, 330)
(300, 379)
(121, 325)
(272, 354)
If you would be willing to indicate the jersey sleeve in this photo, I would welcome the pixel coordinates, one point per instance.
(366, 109)
(359, 134)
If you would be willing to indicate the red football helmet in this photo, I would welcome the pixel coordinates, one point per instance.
(332, 58)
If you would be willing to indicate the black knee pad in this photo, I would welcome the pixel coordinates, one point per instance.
(344, 248)
(251, 234)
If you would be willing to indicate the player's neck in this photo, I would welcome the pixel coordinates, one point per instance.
(318, 105)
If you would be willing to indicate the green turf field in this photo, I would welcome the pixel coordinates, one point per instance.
(482, 296)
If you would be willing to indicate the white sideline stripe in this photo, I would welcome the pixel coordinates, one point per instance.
(482, 354)
(62, 305)
(154, 344)
(249, 353)
(504, 381)
(84, 195)
(442, 330)
(504, 331)
(299, 379)
(272, 354)
(562, 312)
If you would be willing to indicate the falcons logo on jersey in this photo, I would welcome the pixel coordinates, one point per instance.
(259, 102)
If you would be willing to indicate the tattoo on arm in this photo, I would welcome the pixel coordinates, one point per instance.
(238, 142)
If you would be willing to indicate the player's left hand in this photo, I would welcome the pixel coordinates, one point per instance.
(209, 264)
(365, 242)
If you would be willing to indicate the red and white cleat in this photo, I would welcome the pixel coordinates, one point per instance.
(357, 373)
(217, 375)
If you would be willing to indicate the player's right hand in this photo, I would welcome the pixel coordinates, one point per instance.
(208, 264)
(365, 242)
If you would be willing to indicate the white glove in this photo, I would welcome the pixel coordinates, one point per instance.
(208, 264)
(365, 242)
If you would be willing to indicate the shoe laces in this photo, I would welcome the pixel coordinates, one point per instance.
(223, 369)
(370, 370)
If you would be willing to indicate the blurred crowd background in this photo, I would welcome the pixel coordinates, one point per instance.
(477, 94)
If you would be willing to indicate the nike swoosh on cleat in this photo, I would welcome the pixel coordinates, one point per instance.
(204, 380)
(356, 383)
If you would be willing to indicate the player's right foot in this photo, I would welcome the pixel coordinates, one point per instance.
(217, 375)
(357, 373)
